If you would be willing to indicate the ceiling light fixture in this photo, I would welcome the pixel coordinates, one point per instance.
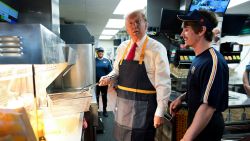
(126, 6)
(109, 31)
(115, 23)
(105, 37)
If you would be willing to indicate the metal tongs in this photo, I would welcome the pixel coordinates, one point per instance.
(93, 85)
(89, 87)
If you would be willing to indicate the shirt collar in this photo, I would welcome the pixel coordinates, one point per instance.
(99, 58)
(140, 42)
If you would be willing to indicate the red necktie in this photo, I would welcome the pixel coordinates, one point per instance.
(131, 54)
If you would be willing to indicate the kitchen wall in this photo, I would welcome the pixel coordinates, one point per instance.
(109, 49)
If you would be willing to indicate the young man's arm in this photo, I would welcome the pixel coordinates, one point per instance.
(246, 83)
(200, 121)
(245, 78)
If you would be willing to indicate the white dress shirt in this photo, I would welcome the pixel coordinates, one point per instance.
(157, 67)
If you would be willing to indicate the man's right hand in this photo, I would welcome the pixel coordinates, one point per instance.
(104, 81)
(173, 109)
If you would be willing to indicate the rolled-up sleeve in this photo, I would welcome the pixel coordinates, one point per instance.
(162, 80)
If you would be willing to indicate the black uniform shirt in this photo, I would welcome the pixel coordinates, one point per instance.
(207, 82)
(248, 72)
(103, 67)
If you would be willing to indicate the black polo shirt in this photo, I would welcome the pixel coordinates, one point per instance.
(207, 82)
(248, 72)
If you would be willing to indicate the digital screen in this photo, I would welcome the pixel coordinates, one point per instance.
(233, 24)
(117, 42)
(236, 47)
(7, 12)
(246, 27)
(169, 22)
(218, 6)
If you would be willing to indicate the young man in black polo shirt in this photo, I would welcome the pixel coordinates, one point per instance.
(207, 90)
(246, 79)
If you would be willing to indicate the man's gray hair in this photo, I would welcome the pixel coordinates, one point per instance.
(137, 12)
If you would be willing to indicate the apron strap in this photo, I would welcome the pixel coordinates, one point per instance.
(142, 52)
(125, 52)
(137, 90)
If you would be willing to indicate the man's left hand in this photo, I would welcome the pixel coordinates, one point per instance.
(158, 121)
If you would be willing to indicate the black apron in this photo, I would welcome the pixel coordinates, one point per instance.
(136, 102)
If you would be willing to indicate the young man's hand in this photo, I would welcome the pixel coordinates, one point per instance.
(174, 106)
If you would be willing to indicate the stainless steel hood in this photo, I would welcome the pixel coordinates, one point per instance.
(76, 34)
(82, 73)
(29, 44)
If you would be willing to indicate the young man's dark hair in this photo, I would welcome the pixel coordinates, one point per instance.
(202, 18)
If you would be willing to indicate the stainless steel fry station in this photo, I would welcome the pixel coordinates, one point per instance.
(46, 85)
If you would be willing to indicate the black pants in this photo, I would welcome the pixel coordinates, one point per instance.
(103, 90)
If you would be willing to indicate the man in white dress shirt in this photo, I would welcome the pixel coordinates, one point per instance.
(144, 83)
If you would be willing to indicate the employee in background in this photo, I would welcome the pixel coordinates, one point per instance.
(246, 79)
(207, 89)
(142, 70)
(103, 67)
